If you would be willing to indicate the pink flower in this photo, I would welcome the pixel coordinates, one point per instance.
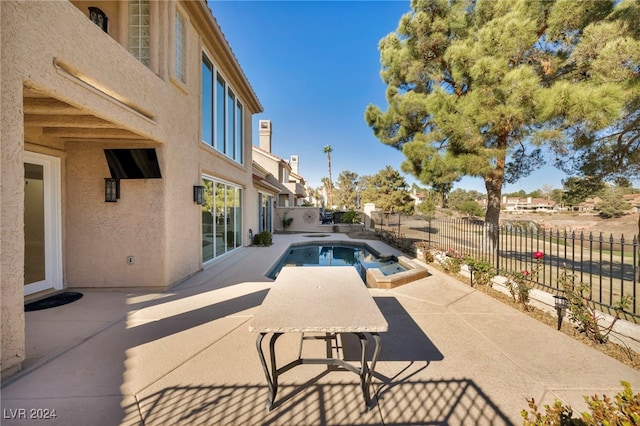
(538, 255)
(526, 273)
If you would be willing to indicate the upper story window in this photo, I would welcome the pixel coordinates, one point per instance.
(140, 30)
(222, 113)
(180, 46)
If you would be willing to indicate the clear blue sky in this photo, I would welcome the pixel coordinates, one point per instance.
(315, 66)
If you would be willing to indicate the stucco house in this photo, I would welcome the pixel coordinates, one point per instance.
(291, 184)
(515, 204)
(126, 149)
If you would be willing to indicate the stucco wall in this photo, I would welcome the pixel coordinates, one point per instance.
(11, 215)
(52, 49)
(100, 235)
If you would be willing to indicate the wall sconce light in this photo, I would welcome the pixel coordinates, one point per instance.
(198, 194)
(561, 302)
(99, 18)
(111, 190)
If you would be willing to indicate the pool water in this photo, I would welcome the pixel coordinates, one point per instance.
(326, 254)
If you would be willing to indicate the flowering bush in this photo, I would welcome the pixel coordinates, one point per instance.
(452, 261)
(519, 283)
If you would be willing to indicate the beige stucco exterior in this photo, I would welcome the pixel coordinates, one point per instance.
(70, 90)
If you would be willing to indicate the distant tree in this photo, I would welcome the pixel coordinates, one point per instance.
(577, 190)
(326, 186)
(612, 204)
(471, 208)
(329, 184)
(546, 191)
(345, 195)
(536, 193)
(389, 191)
(556, 196)
(478, 88)
(465, 202)
(427, 208)
(518, 194)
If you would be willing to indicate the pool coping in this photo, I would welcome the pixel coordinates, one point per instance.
(374, 276)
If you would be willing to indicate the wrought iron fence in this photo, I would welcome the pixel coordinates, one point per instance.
(607, 264)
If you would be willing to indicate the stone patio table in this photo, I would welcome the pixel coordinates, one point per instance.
(319, 299)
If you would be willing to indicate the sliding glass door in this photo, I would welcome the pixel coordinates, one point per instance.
(221, 218)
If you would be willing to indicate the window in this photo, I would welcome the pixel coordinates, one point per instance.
(180, 41)
(222, 114)
(220, 121)
(239, 133)
(221, 218)
(231, 129)
(139, 30)
(207, 101)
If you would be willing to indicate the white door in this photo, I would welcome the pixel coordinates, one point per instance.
(42, 223)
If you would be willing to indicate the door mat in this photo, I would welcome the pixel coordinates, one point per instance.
(53, 301)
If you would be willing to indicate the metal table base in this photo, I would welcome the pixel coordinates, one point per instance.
(364, 370)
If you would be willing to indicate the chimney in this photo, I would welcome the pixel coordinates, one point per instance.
(294, 164)
(265, 135)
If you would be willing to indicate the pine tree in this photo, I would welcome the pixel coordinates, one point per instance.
(479, 87)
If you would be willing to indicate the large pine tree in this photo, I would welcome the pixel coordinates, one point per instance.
(479, 87)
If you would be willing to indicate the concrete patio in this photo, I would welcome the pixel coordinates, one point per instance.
(452, 355)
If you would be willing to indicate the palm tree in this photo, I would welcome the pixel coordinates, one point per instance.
(328, 150)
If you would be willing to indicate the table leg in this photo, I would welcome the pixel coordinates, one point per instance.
(272, 376)
(374, 360)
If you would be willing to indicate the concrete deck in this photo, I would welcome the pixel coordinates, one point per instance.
(452, 355)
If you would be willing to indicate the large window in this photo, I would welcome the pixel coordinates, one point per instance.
(140, 30)
(221, 218)
(222, 113)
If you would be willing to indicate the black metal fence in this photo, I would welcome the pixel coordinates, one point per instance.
(608, 265)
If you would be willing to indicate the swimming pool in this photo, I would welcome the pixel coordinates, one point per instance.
(337, 254)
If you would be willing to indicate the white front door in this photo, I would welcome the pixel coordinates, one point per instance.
(42, 223)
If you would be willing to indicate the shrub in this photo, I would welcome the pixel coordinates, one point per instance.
(482, 271)
(264, 238)
(520, 283)
(453, 261)
(624, 409)
(351, 216)
(582, 309)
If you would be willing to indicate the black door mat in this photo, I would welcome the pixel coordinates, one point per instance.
(53, 301)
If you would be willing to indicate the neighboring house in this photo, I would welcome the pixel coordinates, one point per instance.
(267, 189)
(588, 205)
(418, 197)
(151, 86)
(292, 190)
(514, 204)
(634, 200)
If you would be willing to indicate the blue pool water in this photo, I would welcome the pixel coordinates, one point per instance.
(328, 254)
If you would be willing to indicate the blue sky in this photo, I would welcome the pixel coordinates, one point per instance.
(315, 66)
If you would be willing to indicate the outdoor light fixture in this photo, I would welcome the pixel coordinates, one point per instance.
(471, 269)
(111, 190)
(99, 18)
(561, 302)
(198, 194)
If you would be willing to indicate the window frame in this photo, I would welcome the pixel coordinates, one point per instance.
(180, 46)
(227, 121)
(137, 48)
